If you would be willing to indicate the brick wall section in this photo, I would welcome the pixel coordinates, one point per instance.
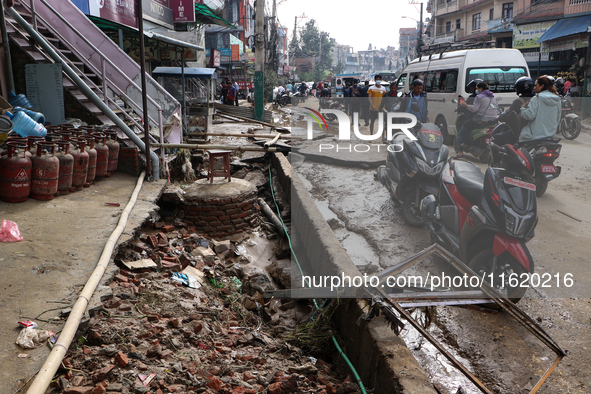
(129, 161)
(221, 217)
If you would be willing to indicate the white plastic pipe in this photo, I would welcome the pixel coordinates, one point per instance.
(60, 349)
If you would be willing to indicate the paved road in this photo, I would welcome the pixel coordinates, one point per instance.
(502, 353)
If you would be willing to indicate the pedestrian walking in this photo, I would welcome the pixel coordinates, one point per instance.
(375, 94)
(236, 91)
(364, 102)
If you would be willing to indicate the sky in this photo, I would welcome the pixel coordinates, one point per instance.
(356, 23)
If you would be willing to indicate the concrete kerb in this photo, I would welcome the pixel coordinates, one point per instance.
(380, 357)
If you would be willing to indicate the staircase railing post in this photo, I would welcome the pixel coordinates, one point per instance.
(104, 78)
(33, 15)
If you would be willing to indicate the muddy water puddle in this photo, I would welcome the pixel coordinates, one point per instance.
(368, 225)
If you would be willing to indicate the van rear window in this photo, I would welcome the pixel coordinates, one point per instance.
(499, 80)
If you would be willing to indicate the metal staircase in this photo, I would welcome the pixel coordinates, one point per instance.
(105, 68)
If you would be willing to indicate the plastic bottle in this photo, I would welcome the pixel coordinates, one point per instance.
(24, 125)
(20, 100)
(36, 116)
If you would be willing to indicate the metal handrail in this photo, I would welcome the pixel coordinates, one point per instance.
(90, 44)
(107, 83)
(43, 42)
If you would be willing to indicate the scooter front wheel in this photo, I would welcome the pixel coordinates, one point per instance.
(411, 213)
(570, 128)
(507, 274)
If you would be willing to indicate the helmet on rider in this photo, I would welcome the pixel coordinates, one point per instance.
(524, 85)
(551, 78)
(559, 83)
(472, 85)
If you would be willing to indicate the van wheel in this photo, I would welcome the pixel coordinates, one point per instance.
(442, 124)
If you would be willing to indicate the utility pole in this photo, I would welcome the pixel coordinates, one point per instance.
(420, 38)
(259, 60)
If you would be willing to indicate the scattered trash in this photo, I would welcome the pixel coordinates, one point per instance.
(9, 232)
(144, 263)
(31, 338)
(186, 280)
(27, 324)
(314, 360)
(148, 379)
(113, 204)
(23, 355)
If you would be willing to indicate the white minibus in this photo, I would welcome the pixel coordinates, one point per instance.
(446, 75)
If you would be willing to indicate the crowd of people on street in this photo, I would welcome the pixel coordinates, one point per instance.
(229, 92)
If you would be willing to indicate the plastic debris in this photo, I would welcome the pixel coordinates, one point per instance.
(9, 232)
(113, 204)
(31, 338)
(186, 280)
(27, 324)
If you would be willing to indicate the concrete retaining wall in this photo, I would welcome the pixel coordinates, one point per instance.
(382, 359)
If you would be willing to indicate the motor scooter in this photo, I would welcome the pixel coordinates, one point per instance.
(544, 151)
(480, 136)
(570, 123)
(486, 219)
(413, 169)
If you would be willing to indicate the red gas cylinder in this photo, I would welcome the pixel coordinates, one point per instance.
(102, 151)
(113, 151)
(80, 165)
(66, 167)
(19, 140)
(92, 154)
(15, 174)
(46, 172)
(31, 144)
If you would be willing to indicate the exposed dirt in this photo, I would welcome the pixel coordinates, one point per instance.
(501, 352)
(152, 334)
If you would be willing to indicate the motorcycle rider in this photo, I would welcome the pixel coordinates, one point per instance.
(559, 86)
(471, 87)
(544, 112)
(485, 110)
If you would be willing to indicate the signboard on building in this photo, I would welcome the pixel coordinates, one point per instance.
(183, 10)
(155, 12)
(241, 84)
(569, 43)
(235, 49)
(215, 58)
(532, 57)
(120, 11)
(285, 70)
(525, 36)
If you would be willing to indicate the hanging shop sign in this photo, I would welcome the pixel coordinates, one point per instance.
(215, 58)
(235, 50)
(157, 13)
(525, 36)
(183, 10)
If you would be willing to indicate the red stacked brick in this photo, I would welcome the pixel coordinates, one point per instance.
(220, 217)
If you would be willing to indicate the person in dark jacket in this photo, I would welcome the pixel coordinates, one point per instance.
(418, 96)
(364, 100)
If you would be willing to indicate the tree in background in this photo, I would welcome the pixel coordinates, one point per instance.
(316, 43)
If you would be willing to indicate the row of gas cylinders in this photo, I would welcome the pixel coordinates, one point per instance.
(66, 160)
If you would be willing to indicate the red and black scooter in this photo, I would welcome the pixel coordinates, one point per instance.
(486, 219)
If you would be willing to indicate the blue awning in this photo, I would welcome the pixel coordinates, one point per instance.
(567, 27)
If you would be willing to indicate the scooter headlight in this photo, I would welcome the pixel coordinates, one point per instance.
(427, 169)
